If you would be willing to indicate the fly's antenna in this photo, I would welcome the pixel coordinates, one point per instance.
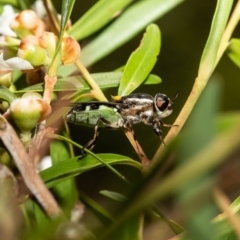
(175, 96)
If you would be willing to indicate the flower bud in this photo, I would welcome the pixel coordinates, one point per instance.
(5, 78)
(28, 111)
(27, 23)
(49, 40)
(33, 50)
(70, 50)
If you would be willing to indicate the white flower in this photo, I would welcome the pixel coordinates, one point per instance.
(39, 8)
(45, 163)
(6, 17)
(14, 63)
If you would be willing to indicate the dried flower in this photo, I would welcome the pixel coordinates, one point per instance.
(70, 50)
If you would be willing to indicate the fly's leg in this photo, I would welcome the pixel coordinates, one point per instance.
(158, 132)
(91, 144)
(139, 151)
(167, 125)
(157, 129)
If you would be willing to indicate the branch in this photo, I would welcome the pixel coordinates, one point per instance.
(26, 167)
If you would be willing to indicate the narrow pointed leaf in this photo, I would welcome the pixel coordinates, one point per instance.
(141, 61)
(73, 83)
(96, 17)
(66, 191)
(210, 51)
(97, 209)
(73, 167)
(128, 25)
(113, 195)
(6, 94)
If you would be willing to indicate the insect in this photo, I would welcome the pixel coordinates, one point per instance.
(142, 107)
(123, 113)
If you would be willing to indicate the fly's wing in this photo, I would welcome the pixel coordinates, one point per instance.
(94, 103)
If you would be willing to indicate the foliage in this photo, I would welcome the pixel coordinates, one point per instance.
(109, 195)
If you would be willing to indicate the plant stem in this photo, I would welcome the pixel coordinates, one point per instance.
(200, 83)
(25, 166)
(182, 117)
(96, 91)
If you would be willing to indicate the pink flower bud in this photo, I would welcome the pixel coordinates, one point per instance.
(49, 40)
(27, 23)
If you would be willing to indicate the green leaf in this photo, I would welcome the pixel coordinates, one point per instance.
(14, 3)
(130, 230)
(24, 4)
(208, 59)
(65, 191)
(96, 17)
(73, 167)
(98, 210)
(233, 51)
(6, 94)
(221, 225)
(58, 151)
(73, 83)
(67, 6)
(113, 195)
(128, 25)
(141, 61)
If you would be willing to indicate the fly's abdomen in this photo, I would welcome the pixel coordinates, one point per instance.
(78, 117)
(95, 113)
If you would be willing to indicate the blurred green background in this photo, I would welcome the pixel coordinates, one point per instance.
(184, 33)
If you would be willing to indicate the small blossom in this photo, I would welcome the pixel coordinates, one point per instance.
(39, 8)
(14, 63)
(5, 19)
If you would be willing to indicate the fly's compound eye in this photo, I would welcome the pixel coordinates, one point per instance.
(163, 105)
(161, 102)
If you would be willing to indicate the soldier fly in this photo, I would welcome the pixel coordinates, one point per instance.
(123, 113)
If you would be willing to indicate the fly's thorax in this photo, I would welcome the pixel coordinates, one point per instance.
(136, 101)
(135, 106)
(163, 105)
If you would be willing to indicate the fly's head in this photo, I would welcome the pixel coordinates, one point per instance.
(163, 105)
